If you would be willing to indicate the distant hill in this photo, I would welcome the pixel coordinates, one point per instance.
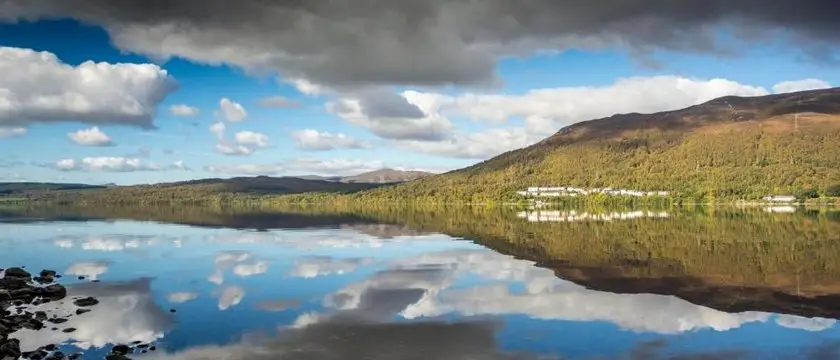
(730, 147)
(382, 176)
(385, 176)
(11, 188)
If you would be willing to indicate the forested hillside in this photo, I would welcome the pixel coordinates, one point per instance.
(730, 147)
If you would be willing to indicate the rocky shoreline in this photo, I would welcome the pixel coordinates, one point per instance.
(20, 292)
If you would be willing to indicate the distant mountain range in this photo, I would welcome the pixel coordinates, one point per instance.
(382, 176)
(256, 185)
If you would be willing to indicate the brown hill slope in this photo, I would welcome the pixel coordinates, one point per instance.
(730, 147)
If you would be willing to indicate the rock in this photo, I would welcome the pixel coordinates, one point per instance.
(40, 315)
(116, 357)
(87, 301)
(23, 293)
(57, 320)
(120, 349)
(74, 356)
(13, 283)
(16, 272)
(54, 291)
(68, 330)
(153, 348)
(33, 324)
(10, 348)
(172, 310)
(50, 347)
(81, 311)
(81, 277)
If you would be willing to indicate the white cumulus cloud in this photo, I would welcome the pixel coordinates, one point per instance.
(314, 140)
(111, 164)
(181, 297)
(38, 87)
(340, 167)
(800, 85)
(232, 111)
(183, 110)
(91, 137)
(251, 139)
(90, 269)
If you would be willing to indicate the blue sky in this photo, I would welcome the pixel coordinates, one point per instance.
(357, 121)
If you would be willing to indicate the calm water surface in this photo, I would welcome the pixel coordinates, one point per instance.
(758, 285)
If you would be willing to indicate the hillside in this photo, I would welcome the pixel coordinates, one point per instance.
(20, 188)
(204, 189)
(730, 147)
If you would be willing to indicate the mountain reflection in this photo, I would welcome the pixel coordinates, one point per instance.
(449, 284)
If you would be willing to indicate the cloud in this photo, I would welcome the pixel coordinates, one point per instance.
(314, 140)
(89, 269)
(91, 137)
(800, 85)
(429, 126)
(10, 132)
(251, 139)
(300, 166)
(234, 150)
(105, 164)
(444, 42)
(181, 297)
(126, 312)
(278, 102)
(478, 145)
(315, 266)
(218, 129)
(183, 110)
(179, 165)
(38, 87)
(232, 111)
(544, 111)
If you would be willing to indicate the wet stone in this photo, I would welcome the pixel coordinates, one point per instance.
(57, 320)
(40, 315)
(68, 330)
(16, 272)
(81, 311)
(84, 302)
(120, 349)
(54, 291)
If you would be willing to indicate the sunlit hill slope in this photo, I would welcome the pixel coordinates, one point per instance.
(730, 147)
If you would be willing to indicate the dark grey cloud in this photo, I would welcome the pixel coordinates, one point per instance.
(435, 42)
(384, 104)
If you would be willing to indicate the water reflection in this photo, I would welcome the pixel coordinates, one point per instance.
(690, 284)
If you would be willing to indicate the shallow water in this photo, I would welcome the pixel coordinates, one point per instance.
(376, 289)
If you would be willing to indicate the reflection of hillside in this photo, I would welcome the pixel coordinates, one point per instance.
(194, 216)
(729, 260)
(572, 215)
(385, 231)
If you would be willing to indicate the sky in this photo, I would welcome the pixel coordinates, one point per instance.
(140, 92)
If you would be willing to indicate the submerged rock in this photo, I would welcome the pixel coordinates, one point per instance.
(86, 301)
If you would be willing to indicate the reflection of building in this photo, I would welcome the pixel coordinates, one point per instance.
(572, 216)
(568, 191)
(780, 198)
(780, 209)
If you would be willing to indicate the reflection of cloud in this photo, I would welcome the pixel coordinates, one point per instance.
(803, 323)
(106, 243)
(181, 297)
(217, 277)
(370, 341)
(126, 312)
(313, 266)
(316, 239)
(243, 270)
(92, 269)
(420, 287)
(231, 296)
(226, 259)
(278, 305)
